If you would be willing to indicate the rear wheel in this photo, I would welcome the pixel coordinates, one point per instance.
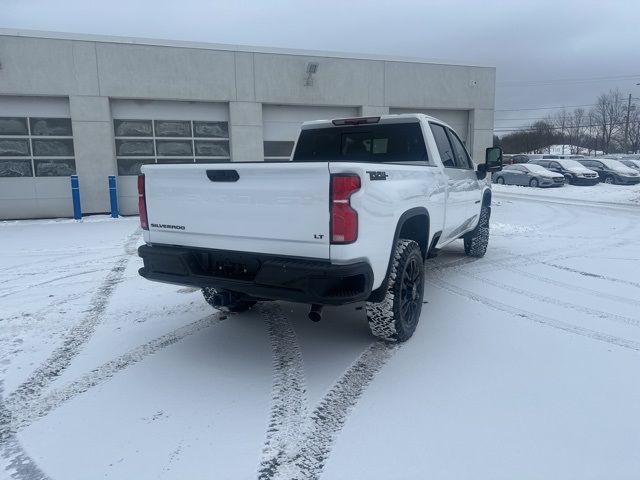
(476, 241)
(533, 182)
(500, 180)
(609, 179)
(396, 317)
(235, 306)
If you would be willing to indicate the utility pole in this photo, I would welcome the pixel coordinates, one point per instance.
(626, 128)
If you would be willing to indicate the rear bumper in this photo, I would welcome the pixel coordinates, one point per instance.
(257, 275)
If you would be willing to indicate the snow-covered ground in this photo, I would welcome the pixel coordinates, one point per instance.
(524, 366)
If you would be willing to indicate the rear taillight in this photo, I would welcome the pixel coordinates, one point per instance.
(344, 219)
(142, 203)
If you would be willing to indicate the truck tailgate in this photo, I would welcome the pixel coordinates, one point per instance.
(272, 208)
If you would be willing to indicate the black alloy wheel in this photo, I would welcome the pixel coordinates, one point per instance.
(411, 293)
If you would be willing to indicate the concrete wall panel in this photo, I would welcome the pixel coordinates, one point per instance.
(421, 85)
(142, 71)
(35, 66)
(281, 79)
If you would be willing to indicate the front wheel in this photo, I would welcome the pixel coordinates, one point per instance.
(500, 180)
(236, 306)
(476, 241)
(396, 317)
(533, 182)
(609, 179)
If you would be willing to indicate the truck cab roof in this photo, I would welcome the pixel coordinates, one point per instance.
(380, 119)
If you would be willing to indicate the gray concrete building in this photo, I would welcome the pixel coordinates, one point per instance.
(97, 106)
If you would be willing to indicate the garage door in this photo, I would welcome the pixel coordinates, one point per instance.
(36, 157)
(458, 119)
(281, 124)
(165, 132)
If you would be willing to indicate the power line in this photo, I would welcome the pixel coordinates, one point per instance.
(556, 107)
(528, 129)
(545, 108)
(535, 83)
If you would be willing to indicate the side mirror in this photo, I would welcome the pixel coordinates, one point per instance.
(493, 159)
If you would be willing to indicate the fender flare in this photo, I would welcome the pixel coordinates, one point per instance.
(378, 294)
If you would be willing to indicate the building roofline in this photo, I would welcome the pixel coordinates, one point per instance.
(85, 37)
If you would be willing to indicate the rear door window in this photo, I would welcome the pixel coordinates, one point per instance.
(444, 146)
(462, 157)
(390, 143)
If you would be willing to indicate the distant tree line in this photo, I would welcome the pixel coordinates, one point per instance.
(610, 126)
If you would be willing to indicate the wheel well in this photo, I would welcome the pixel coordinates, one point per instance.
(417, 228)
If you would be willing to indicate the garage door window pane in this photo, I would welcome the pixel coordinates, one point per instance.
(277, 149)
(131, 166)
(212, 149)
(166, 128)
(212, 160)
(133, 148)
(211, 129)
(133, 128)
(13, 126)
(14, 147)
(175, 160)
(59, 127)
(55, 167)
(15, 168)
(173, 148)
(55, 148)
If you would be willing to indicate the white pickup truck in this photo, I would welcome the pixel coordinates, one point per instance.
(351, 217)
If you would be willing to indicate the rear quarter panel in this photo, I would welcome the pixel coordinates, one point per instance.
(381, 203)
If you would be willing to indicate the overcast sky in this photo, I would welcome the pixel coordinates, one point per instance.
(547, 53)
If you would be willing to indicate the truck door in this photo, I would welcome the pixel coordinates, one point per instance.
(472, 188)
(459, 183)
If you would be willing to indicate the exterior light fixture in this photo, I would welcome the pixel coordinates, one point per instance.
(312, 68)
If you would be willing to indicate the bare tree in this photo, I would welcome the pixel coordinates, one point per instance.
(561, 121)
(609, 115)
(576, 126)
(634, 128)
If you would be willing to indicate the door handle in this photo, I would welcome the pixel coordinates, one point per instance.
(223, 175)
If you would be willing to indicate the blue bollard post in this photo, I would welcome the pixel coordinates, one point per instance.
(75, 194)
(113, 194)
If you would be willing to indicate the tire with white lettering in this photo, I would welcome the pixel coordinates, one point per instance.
(396, 317)
(476, 241)
(238, 306)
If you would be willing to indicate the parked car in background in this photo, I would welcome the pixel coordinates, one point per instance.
(528, 174)
(525, 157)
(570, 156)
(507, 159)
(574, 172)
(631, 163)
(612, 171)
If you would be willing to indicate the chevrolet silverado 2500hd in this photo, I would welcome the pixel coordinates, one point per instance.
(351, 217)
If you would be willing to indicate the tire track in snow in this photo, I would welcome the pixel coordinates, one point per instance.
(555, 301)
(60, 359)
(298, 445)
(53, 280)
(21, 415)
(593, 275)
(541, 319)
(288, 393)
(577, 288)
(331, 414)
(19, 465)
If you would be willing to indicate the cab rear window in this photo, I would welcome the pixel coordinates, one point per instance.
(395, 142)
